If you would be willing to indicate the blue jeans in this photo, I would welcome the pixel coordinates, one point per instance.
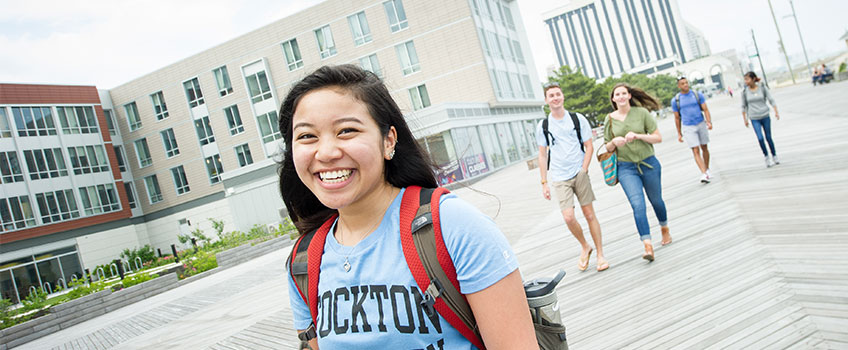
(633, 182)
(765, 125)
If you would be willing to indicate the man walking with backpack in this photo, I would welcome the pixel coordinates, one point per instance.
(565, 151)
(690, 109)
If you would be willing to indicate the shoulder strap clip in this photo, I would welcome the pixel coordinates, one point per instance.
(434, 290)
(307, 334)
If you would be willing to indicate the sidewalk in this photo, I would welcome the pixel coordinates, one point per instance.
(758, 258)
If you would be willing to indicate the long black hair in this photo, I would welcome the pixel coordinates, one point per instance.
(410, 165)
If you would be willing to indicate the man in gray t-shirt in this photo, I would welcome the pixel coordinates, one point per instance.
(568, 171)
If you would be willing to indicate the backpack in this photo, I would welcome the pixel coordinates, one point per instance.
(429, 261)
(550, 141)
(677, 100)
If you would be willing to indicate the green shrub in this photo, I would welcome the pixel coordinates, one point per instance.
(843, 67)
(198, 262)
(218, 226)
(7, 315)
(137, 278)
(146, 253)
(35, 300)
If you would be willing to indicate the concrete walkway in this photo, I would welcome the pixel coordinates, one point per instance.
(758, 259)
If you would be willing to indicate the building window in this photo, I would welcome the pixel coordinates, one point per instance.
(130, 189)
(159, 107)
(222, 79)
(528, 87)
(133, 120)
(57, 206)
(234, 120)
(170, 142)
(119, 156)
(204, 131)
(34, 121)
(326, 46)
(143, 153)
(258, 87)
(419, 96)
(519, 56)
(507, 15)
(110, 122)
(154, 193)
(5, 127)
(214, 168)
(193, 93)
(10, 168)
(16, 213)
(397, 17)
(408, 57)
(292, 52)
(99, 199)
(370, 63)
(88, 159)
(243, 155)
(506, 47)
(180, 180)
(498, 88)
(269, 127)
(359, 28)
(495, 45)
(77, 120)
(45, 163)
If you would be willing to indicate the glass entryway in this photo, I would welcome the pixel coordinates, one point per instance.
(42, 272)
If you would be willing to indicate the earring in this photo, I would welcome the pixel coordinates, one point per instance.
(392, 154)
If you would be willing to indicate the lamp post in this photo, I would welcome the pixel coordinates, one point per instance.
(780, 37)
(793, 15)
(759, 58)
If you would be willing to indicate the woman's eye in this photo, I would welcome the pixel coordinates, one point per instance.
(305, 136)
(347, 131)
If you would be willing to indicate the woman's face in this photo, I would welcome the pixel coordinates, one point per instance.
(621, 96)
(337, 147)
(748, 80)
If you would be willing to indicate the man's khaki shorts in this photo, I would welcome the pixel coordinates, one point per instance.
(578, 185)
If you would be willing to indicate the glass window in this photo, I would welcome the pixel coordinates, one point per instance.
(397, 17)
(496, 83)
(517, 87)
(370, 63)
(408, 57)
(204, 130)
(528, 87)
(524, 143)
(506, 47)
(193, 93)
(507, 142)
(269, 127)
(326, 46)
(16, 213)
(88, 159)
(119, 155)
(110, 122)
(359, 28)
(222, 79)
(258, 87)
(45, 163)
(519, 56)
(419, 96)
(5, 127)
(130, 189)
(495, 45)
(214, 168)
(99, 199)
(491, 146)
(133, 120)
(77, 120)
(243, 155)
(234, 120)
(292, 52)
(57, 206)
(34, 121)
(143, 153)
(170, 142)
(10, 168)
(154, 193)
(180, 180)
(507, 15)
(484, 42)
(159, 107)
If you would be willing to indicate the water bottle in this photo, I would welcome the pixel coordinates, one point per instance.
(544, 309)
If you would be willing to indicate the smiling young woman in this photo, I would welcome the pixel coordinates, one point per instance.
(349, 152)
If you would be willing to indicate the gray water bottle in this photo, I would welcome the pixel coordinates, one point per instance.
(544, 309)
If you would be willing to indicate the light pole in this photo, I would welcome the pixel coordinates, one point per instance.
(759, 58)
(809, 68)
(780, 37)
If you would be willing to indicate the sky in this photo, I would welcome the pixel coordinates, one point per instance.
(107, 43)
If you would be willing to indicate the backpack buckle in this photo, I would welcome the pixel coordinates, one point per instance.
(434, 290)
(307, 334)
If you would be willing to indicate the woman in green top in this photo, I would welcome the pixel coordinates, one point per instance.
(632, 131)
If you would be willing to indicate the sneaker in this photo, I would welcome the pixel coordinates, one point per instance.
(705, 179)
(774, 159)
(769, 164)
(709, 176)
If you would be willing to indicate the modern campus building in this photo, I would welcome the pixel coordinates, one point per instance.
(161, 154)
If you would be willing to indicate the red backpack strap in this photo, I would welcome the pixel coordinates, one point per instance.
(305, 267)
(429, 261)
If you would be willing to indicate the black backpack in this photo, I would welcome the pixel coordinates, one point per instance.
(550, 141)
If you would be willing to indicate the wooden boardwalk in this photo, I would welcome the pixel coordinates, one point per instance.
(758, 260)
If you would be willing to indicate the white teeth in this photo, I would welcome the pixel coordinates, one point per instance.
(335, 176)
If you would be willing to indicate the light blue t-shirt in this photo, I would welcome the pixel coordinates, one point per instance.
(566, 155)
(376, 304)
(690, 107)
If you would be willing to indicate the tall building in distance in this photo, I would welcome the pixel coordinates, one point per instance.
(609, 37)
(161, 154)
(698, 44)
